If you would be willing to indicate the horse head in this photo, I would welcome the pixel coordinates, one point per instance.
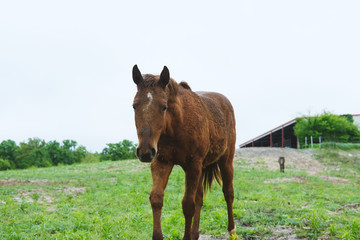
(150, 106)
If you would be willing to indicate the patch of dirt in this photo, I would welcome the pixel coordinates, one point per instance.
(74, 191)
(32, 196)
(298, 179)
(113, 179)
(210, 237)
(336, 180)
(51, 209)
(278, 233)
(138, 167)
(282, 233)
(17, 182)
(40, 196)
(268, 157)
(9, 182)
(352, 206)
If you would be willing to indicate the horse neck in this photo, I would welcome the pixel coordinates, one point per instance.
(174, 117)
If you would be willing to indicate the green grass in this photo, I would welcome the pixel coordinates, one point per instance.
(341, 163)
(336, 145)
(110, 200)
(342, 146)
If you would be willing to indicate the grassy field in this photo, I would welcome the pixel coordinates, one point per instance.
(109, 200)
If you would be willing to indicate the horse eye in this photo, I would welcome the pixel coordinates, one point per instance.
(134, 107)
(164, 108)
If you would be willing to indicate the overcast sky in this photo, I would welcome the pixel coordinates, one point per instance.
(65, 66)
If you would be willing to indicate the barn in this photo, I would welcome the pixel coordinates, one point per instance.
(282, 136)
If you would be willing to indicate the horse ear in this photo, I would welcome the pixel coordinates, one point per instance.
(164, 77)
(136, 74)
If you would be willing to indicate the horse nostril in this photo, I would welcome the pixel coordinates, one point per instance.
(153, 152)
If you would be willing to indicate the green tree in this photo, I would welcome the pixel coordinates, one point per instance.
(80, 153)
(8, 151)
(119, 151)
(70, 153)
(54, 152)
(329, 126)
(36, 152)
(348, 117)
(33, 153)
(4, 164)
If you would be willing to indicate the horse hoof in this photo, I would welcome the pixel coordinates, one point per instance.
(195, 236)
(232, 232)
(157, 236)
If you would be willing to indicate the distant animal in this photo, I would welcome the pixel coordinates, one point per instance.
(196, 130)
(282, 164)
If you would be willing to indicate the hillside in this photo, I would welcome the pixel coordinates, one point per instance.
(268, 157)
(109, 200)
(313, 162)
(321, 163)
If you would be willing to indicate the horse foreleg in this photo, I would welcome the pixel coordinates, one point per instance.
(198, 205)
(160, 174)
(192, 177)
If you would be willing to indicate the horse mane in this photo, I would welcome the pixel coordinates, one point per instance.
(185, 85)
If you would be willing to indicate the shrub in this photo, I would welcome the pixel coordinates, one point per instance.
(91, 158)
(4, 164)
(8, 151)
(331, 127)
(119, 151)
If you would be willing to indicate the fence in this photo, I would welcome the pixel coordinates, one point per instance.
(319, 142)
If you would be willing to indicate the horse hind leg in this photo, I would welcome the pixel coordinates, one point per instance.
(227, 175)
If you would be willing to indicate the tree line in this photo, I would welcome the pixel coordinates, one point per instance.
(39, 153)
(331, 128)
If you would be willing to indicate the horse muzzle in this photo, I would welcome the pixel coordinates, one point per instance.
(146, 154)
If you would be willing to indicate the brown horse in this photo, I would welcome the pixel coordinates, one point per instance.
(195, 130)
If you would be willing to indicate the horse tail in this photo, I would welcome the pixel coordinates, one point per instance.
(210, 173)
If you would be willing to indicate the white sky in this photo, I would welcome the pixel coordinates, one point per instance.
(65, 66)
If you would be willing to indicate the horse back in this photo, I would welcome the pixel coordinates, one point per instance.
(222, 133)
(219, 107)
